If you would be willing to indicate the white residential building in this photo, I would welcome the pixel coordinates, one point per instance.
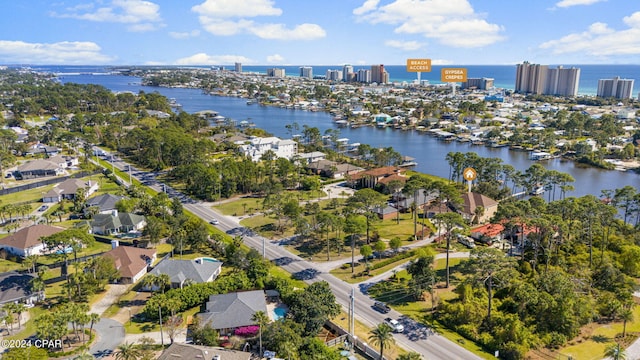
(256, 147)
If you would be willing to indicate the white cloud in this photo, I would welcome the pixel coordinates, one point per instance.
(404, 45)
(280, 32)
(452, 22)
(275, 59)
(369, 5)
(569, 3)
(237, 8)
(230, 17)
(140, 15)
(205, 59)
(600, 40)
(66, 52)
(184, 34)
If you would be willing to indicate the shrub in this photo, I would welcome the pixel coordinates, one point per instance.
(247, 331)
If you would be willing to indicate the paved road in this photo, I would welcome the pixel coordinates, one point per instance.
(110, 335)
(433, 347)
(417, 338)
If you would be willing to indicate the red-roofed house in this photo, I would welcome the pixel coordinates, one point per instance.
(488, 233)
(131, 262)
(28, 241)
(370, 178)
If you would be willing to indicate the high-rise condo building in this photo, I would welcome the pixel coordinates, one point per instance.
(539, 79)
(615, 88)
(379, 74)
(238, 67)
(347, 73)
(478, 83)
(275, 72)
(562, 82)
(306, 72)
(364, 76)
(530, 78)
(334, 75)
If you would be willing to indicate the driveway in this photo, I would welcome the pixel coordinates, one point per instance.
(114, 291)
(110, 334)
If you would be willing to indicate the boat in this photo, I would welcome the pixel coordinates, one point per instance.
(342, 123)
(408, 161)
(251, 102)
(539, 155)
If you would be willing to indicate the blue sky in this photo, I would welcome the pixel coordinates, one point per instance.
(319, 32)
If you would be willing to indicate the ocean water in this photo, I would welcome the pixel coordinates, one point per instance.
(503, 75)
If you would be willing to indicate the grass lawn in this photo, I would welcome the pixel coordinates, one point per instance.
(29, 328)
(389, 229)
(363, 332)
(344, 273)
(597, 337)
(31, 195)
(6, 265)
(95, 248)
(237, 206)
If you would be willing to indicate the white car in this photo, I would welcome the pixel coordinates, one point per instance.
(394, 324)
(214, 222)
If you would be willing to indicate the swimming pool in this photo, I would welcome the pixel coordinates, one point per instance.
(207, 259)
(279, 313)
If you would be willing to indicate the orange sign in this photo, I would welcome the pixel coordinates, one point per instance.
(418, 65)
(469, 174)
(453, 75)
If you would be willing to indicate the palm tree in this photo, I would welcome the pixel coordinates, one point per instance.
(84, 356)
(382, 336)
(260, 318)
(93, 319)
(615, 352)
(127, 351)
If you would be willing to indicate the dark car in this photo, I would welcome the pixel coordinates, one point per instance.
(382, 307)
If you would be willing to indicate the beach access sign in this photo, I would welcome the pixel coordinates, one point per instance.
(453, 75)
(418, 65)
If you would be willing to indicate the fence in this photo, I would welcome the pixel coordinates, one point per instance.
(40, 183)
(362, 346)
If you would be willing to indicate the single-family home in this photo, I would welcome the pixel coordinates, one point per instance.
(116, 223)
(68, 190)
(27, 241)
(225, 312)
(477, 208)
(64, 161)
(16, 287)
(370, 178)
(488, 233)
(188, 351)
(38, 168)
(131, 262)
(256, 147)
(199, 270)
(103, 203)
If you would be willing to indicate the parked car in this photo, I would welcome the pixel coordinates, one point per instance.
(43, 207)
(382, 307)
(466, 241)
(394, 324)
(214, 222)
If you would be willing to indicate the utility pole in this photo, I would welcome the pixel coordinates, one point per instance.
(161, 336)
(352, 308)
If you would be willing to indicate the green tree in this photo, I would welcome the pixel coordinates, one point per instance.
(379, 246)
(450, 220)
(354, 224)
(260, 318)
(366, 251)
(127, 351)
(382, 336)
(615, 352)
(409, 356)
(313, 306)
(366, 201)
(23, 353)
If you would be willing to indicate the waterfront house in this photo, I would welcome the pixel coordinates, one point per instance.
(68, 189)
(27, 241)
(488, 233)
(181, 272)
(131, 262)
(256, 147)
(226, 312)
(370, 178)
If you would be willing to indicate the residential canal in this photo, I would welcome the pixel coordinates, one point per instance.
(429, 152)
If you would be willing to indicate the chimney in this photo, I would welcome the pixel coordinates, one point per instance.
(114, 244)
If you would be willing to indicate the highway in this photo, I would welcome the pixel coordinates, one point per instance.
(416, 337)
